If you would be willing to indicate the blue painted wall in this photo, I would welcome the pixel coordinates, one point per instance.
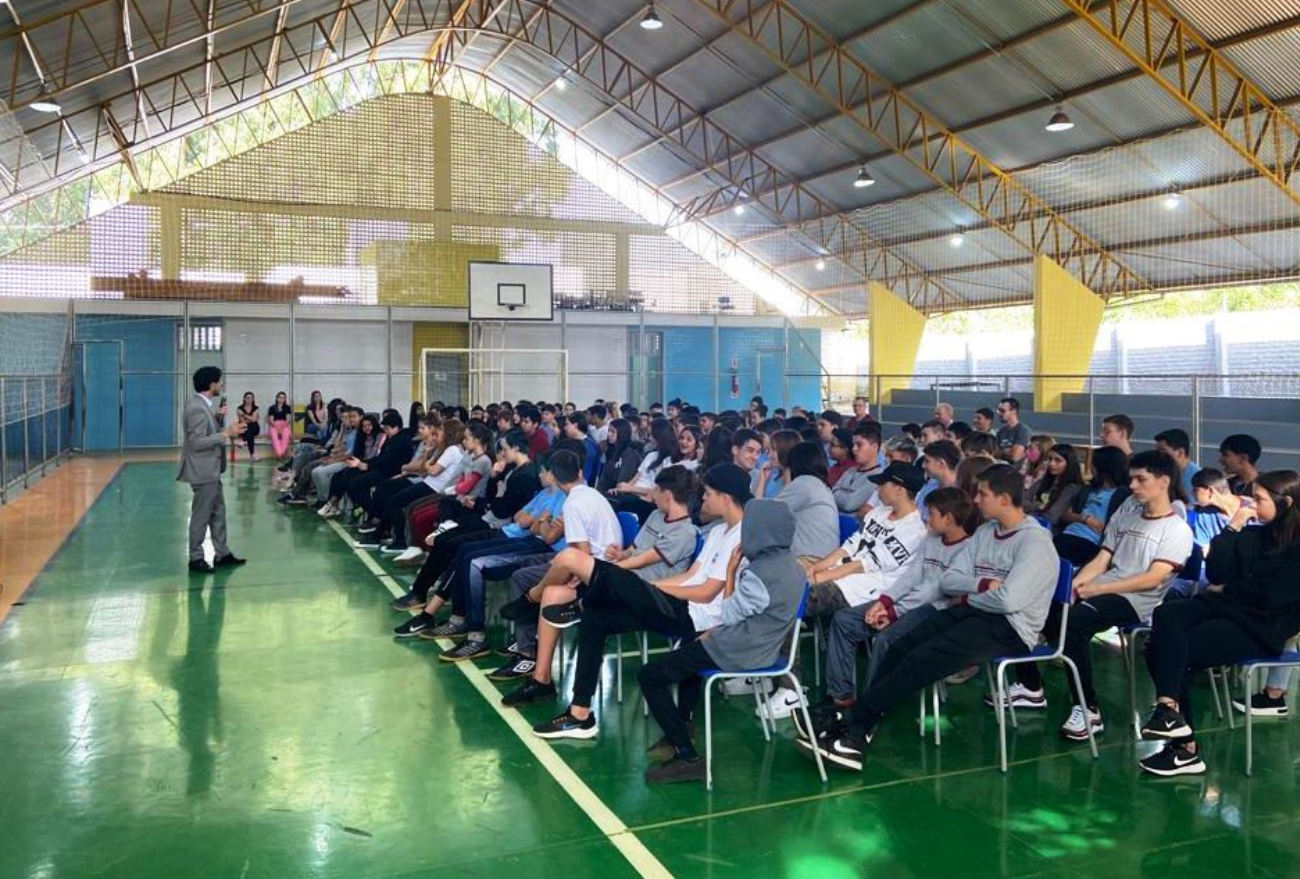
(149, 401)
(689, 358)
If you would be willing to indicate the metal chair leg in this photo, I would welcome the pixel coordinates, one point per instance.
(999, 701)
(645, 658)
(618, 669)
(807, 719)
(708, 734)
(1245, 700)
(1078, 688)
(934, 694)
(920, 721)
(763, 704)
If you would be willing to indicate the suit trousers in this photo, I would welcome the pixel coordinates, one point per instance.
(208, 510)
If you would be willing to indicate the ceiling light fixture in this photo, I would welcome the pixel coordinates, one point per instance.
(651, 22)
(1172, 201)
(46, 103)
(864, 179)
(957, 240)
(1059, 121)
(821, 265)
(738, 210)
(560, 83)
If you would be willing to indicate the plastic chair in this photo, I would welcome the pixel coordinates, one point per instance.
(631, 527)
(783, 669)
(645, 636)
(1288, 659)
(1063, 596)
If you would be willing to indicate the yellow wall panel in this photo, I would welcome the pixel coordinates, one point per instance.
(894, 334)
(429, 273)
(1067, 316)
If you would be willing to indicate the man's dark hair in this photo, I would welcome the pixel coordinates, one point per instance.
(1211, 478)
(392, 418)
(205, 377)
(832, 416)
(1176, 438)
(979, 442)
(516, 440)
(1155, 462)
(760, 409)
(681, 483)
(933, 424)
(598, 411)
(1012, 403)
(1123, 422)
(945, 451)
(481, 433)
(870, 431)
(986, 412)
(578, 420)
(566, 467)
(1242, 444)
(745, 435)
(961, 430)
(530, 412)
(1007, 480)
(951, 501)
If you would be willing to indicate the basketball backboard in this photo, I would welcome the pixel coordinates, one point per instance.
(509, 291)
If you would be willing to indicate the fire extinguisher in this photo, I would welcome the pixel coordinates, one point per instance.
(735, 378)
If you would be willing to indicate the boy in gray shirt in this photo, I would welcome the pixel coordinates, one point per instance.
(1144, 546)
(1001, 590)
(855, 488)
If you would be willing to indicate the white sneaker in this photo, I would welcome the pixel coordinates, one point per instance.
(1073, 728)
(745, 686)
(1021, 696)
(412, 554)
(324, 512)
(781, 704)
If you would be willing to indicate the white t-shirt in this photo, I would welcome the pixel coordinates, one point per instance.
(651, 465)
(449, 461)
(588, 518)
(885, 547)
(713, 560)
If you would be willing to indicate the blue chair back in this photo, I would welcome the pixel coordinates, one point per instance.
(1192, 567)
(803, 602)
(1192, 516)
(699, 547)
(631, 527)
(1064, 583)
(848, 526)
(1043, 520)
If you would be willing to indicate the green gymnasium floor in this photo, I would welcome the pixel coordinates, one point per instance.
(262, 723)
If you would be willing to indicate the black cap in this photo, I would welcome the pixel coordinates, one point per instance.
(898, 473)
(729, 479)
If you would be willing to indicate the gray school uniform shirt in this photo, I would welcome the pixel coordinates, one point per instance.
(673, 541)
(1025, 562)
(920, 582)
(1135, 543)
(854, 488)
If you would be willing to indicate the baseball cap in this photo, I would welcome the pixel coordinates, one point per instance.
(898, 473)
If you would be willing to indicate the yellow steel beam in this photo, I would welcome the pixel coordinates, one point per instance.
(273, 59)
(390, 21)
(1169, 51)
(815, 58)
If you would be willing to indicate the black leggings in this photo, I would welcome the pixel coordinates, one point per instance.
(250, 434)
(1076, 550)
(1189, 636)
(443, 553)
(1087, 618)
(947, 642)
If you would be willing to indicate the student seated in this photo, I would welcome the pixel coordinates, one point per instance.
(902, 604)
(1117, 433)
(1214, 504)
(1085, 521)
(942, 458)
(1255, 613)
(1178, 445)
(622, 456)
(1005, 584)
(841, 454)
(618, 595)
(687, 600)
(875, 555)
(1055, 492)
(633, 496)
(854, 489)
(816, 518)
(756, 609)
(1144, 546)
(1238, 455)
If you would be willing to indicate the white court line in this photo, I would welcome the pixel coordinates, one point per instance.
(645, 863)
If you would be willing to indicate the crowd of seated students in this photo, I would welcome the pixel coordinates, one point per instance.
(958, 531)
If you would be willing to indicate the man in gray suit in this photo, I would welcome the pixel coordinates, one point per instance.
(203, 460)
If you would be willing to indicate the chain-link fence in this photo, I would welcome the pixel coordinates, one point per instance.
(35, 427)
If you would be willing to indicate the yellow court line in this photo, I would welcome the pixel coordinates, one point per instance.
(33, 527)
(618, 833)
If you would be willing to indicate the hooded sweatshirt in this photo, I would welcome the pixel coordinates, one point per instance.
(758, 615)
(1025, 562)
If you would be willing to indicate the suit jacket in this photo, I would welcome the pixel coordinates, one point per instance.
(203, 458)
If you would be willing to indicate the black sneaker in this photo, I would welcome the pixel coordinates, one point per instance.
(368, 528)
(826, 715)
(566, 726)
(470, 648)
(453, 630)
(522, 609)
(510, 650)
(293, 500)
(1263, 705)
(409, 601)
(662, 749)
(530, 690)
(561, 616)
(676, 769)
(519, 667)
(415, 625)
(1165, 723)
(845, 751)
(1173, 759)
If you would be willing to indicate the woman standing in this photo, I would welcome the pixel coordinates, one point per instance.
(279, 420)
(1258, 609)
(247, 414)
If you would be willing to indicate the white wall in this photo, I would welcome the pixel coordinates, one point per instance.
(600, 348)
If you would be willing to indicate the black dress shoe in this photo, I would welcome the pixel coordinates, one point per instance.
(200, 566)
(229, 560)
